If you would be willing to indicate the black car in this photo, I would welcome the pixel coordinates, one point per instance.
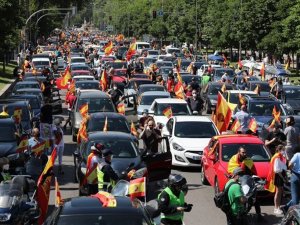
(87, 84)
(30, 91)
(125, 152)
(89, 210)
(75, 67)
(35, 78)
(218, 73)
(149, 87)
(292, 97)
(26, 84)
(8, 140)
(264, 87)
(35, 104)
(115, 122)
(210, 94)
(188, 79)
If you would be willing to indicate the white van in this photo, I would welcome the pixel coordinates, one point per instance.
(141, 45)
(41, 63)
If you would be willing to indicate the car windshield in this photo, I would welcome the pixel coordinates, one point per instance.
(188, 79)
(113, 124)
(34, 103)
(292, 93)
(119, 65)
(96, 104)
(80, 73)
(177, 109)
(80, 68)
(112, 219)
(214, 89)
(135, 84)
(153, 52)
(147, 100)
(163, 63)
(78, 60)
(120, 148)
(25, 113)
(234, 97)
(9, 134)
(264, 108)
(142, 46)
(219, 73)
(120, 73)
(41, 63)
(190, 129)
(264, 87)
(148, 61)
(165, 70)
(171, 50)
(240, 78)
(87, 85)
(151, 88)
(256, 152)
(83, 78)
(21, 86)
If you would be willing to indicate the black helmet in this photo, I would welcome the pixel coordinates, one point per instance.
(176, 180)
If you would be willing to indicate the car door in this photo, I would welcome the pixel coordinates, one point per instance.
(210, 160)
(159, 165)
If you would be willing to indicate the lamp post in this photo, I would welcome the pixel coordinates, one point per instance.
(196, 34)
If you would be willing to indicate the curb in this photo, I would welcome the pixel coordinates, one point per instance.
(4, 93)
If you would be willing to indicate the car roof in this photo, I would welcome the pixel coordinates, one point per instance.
(150, 85)
(291, 87)
(25, 96)
(108, 115)
(87, 81)
(6, 120)
(92, 93)
(29, 89)
(238, 138)
(83, 76)
(261, 98)
(222, 68)
(170, 100)
(110, 135)
(91, 205)
(191, 118)
(157, 93)
(28, 82)
(240, 92)
(219, 84)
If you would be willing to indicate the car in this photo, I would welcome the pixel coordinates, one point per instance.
(139, 46)
(83, 77)
(26, 84)
(120, 52)
(30, 91)
(87, 84)
(204, 67)
(210, 95)
(164, 71)
(219, 151)
(188, 78)
(187, 141)
(164, 63)
(26, 117)
(171, 50)
(238, 81)
(118, 64)
(125, 152)
(8, 139)
(145, 100)
(140, 76)
(119, 76)
(80, 67)
(178, 107)
(132, 86)
(292, 97)
(264, 87)
(218, 73)
(184, 64)
(232, 97)
(34, 102)
(98, 101)
(152, 54)
(41, 63)
(89, 210)
(115, 122)
(78, 60)
(149, 87)
(35, 78)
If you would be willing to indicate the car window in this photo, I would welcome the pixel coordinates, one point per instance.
(96, 104)
(263, 108)
(20, 86)
(113, 124)
(147, 100)
(9, 134)
(151, 88)
(177, 109)
(264, 87)
(190, 129)
(214, 89)
(256, 152)
(87, 85)
(292, 93)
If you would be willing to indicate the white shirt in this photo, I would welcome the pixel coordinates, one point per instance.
(61, 143)
(279, 166)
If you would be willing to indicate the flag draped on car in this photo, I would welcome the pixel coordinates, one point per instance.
(107, 199)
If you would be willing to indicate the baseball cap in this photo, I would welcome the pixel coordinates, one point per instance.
(107, 152)
(238, 171)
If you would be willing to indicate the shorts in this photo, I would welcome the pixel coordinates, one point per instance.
(278, 181)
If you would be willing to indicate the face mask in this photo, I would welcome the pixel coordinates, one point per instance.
(194, 95)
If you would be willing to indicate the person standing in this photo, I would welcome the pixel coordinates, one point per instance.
(237, 200)
(59, 143)
(70, 101)
(194, 84)
(151, 137)
(275, 137)
(143, 119)
(244, 118)
(195, 103)
(277, 177)
(292, 137)
(46, 112)
(171, 201)
(115, 95)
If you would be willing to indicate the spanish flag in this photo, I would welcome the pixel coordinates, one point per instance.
(133, 130)
(253, 125)
(257, 89)
(242, 100)
(83, 110)
(234, 163)
(168, 112)
(223, 113)
(108, 48)
(236, 126)
(179, 78)
(262, 71)
(58, 199)
(178, 65)
(276, 114)
(223, 88)
(240, 64)
(72, 87)
(251, 72)
(107, 199)
(42, 87)
(105, 127)
(18, 115)
(225, 60)
(271, 174)
(137, 187)
(121, 108)
(65, 78)
(179, 90)
(104, 80)
(131, 51)
(82, 132)
(43, 187)
(39, 147)
(23, 145)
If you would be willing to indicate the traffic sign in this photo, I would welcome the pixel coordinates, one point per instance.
(160, 12)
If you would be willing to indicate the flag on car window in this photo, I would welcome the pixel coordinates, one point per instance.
(58, 199)
(121, 108)
(137, 187)
(83, 110)
(82, 132)
(168, 112)
(23, 145)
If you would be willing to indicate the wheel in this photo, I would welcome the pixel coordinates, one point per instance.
(216, 187)
(204, 181)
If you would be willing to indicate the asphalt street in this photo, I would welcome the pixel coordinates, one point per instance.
(201, 196)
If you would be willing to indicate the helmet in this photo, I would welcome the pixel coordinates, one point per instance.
(176, 180)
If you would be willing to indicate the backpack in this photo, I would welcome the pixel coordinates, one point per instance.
(222, 201)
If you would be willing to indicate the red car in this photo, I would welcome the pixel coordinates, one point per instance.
(219, 151)
(119, 76)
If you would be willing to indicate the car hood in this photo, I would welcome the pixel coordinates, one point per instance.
(295, 103)
(192, 143)
(7, 148)
(121, 164)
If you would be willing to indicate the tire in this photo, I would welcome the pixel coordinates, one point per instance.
(216, 186)
(204, 181)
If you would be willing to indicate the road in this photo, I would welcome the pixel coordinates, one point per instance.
(201, 196)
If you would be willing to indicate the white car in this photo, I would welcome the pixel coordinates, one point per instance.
(178, 107)
(202, 69)
(153, 54)
(188, 136)
(83, 77)
(77, 60)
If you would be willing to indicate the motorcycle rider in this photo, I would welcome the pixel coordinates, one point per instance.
(94, 158)
(171, 201)
(107, 177)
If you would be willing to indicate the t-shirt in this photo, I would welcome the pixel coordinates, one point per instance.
(280, 137)
(234, 195)
(292, 136)
(243, 118)
(296, 162)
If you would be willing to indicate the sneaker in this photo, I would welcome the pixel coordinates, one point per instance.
(278, 211)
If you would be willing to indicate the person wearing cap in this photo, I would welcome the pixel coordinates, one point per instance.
(107, 177)
(275, 137)
(292, 137)
(94, 158)
(59, 142)
(237, 200)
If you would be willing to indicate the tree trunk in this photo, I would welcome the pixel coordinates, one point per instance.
(231, 55)
(3, 65)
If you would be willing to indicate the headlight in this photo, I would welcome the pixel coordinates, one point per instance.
(177, 147)
(5, 217)
(213, 102)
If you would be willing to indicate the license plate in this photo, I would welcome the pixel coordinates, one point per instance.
(196, 157)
